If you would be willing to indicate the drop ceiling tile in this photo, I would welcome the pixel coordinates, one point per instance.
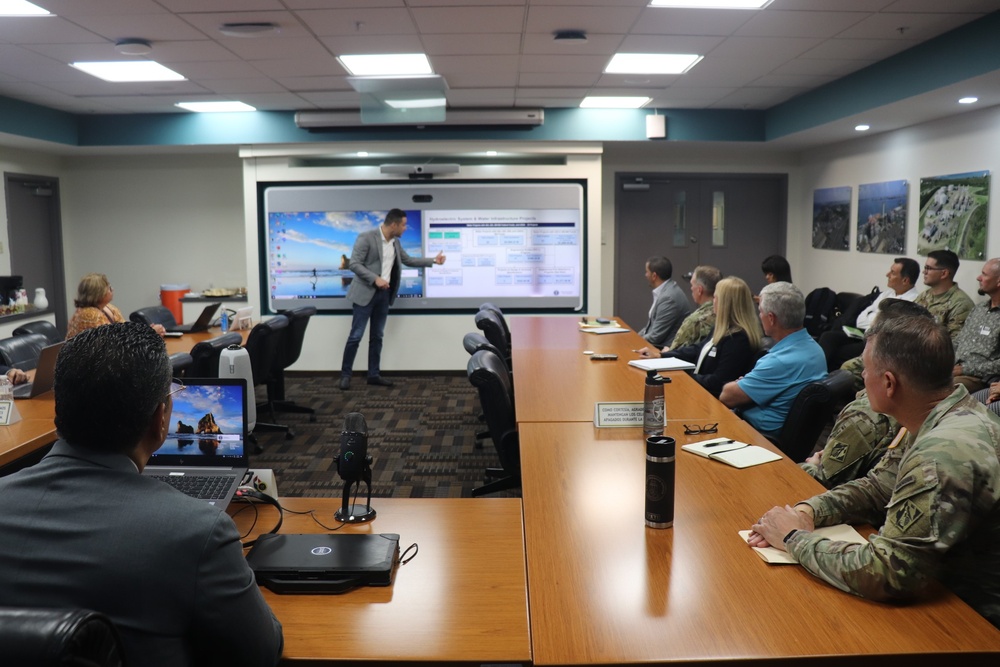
(179, 6)
(553, 92)
(359, 21)
(154, 27)
(590, 64)
(332, 99)
(655, 81)
(358, 44)
(448, 45)
(777, 23)
(827, 5)
(277, 101)
(460, 80)
(726, 72)
(953, 6)
(481, 97)
(447, 65)
(821, 68)
(44, 30)
(27, 65)
(669, 44)
(209, 23)
(596, 44)
(868, 50)
(540, 79)
(247, 85)
(662, 21)
(342, 4)
(216, 69)
(548, 102)
(300, 84)
(468, 19)
(799, 81)
(587, 18)
(327, 66)
(179, 52)
(278, 48)
(74, 8)
(756, 98)
(915, 26)
(680, 98)
(449, 3)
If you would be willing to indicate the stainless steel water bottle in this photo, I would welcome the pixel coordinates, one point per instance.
(660, 450)
(654, 413)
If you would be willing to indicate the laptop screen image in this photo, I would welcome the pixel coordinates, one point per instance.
(208, 425)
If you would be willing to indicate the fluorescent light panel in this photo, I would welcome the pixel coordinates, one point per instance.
(424, 103)
(652, 63)
(386, 64)
(21, 8)
(215, 107)
(128, 71)
(968, 100)
(609, 102)
(862, 127)
(711, 4)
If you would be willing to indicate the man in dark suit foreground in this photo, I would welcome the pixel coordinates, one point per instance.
(376, 262)
(83, 529)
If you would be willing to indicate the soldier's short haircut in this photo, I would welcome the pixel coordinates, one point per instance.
(915, 348)
(890, 308)
(708, 277)
(945, 259)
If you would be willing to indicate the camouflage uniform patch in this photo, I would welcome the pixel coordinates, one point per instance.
(696, 327)
(906, 515)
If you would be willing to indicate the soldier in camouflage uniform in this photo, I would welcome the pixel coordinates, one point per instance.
(977, 348)
(946, 302)
(697, 326)
(859, 439)
(937, 496)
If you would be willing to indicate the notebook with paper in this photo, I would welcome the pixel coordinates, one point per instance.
(45, 373)
(205, 454)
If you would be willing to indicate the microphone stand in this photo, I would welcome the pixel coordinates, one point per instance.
(348, 513)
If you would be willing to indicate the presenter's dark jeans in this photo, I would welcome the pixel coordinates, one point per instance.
(377, 311)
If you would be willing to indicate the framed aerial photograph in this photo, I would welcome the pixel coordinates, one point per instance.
(882, 217)
(832, 218)
(954, 214)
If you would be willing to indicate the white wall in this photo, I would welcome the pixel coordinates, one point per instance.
(964, 143)
(151, 220)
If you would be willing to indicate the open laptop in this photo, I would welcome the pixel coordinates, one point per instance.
(45, 373)
(205, 454)
(200, 324)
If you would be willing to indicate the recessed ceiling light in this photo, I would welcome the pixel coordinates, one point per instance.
(22, 8)
(712, 4)
(386, 64)
(491, 153)
(128, 71)
(215, 107)
(652, 63)
(249, 29)
(610, 102)
(362, 153)
(968, 100)
(862, 128)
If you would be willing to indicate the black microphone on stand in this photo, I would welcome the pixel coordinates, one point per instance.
(354, 466)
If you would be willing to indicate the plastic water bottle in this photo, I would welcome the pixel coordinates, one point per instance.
(6, 389)
(654, 412)
(224, 321)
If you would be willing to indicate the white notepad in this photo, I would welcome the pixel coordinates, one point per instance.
(604, 330)
(839, 533)
(733, 452)
(662, 364)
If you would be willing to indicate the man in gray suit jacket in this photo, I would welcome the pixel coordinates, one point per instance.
(376, 262)
(83, 529)
(670, 304)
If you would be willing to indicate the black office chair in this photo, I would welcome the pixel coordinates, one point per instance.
(499, 313)
(58, 638)
(43, 327)
(205, 355)
(489, 375)
(473, 342)
(489, 323)
(813, 409)
(288, 354)
(263, 345)
(180, 362)
(22, 351)
(154, 315)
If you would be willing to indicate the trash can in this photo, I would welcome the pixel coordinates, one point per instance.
(170, 298)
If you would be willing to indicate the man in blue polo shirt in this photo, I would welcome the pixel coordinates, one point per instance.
(766, 393)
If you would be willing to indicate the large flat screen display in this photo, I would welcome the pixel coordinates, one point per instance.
(519, 245)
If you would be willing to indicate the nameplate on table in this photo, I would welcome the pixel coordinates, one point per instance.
(8, 413)
(618, 414)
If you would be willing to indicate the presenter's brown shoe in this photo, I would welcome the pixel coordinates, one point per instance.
(380, 381)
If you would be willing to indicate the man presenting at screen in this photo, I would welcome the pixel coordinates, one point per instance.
(376, 261)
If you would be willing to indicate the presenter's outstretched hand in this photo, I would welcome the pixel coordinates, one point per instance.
(440, 258)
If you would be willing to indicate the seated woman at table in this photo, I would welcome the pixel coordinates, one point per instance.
(94, 307)
(731, 350)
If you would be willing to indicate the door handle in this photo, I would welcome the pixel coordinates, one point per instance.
(693, 240)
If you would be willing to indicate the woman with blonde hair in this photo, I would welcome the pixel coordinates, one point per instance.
(94, 307)
(731, 350)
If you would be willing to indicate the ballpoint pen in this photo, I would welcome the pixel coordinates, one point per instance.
(720, 442)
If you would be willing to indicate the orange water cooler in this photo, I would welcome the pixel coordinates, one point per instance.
(170, 297)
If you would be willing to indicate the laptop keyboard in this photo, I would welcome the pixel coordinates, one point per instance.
(209, 487)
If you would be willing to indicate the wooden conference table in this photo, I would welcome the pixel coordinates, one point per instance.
(604, 589)
(37, 428)
(461, 600)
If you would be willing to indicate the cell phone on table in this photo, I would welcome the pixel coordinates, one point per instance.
(603, 357)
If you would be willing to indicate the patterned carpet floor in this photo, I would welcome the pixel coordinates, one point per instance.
(421, 437)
